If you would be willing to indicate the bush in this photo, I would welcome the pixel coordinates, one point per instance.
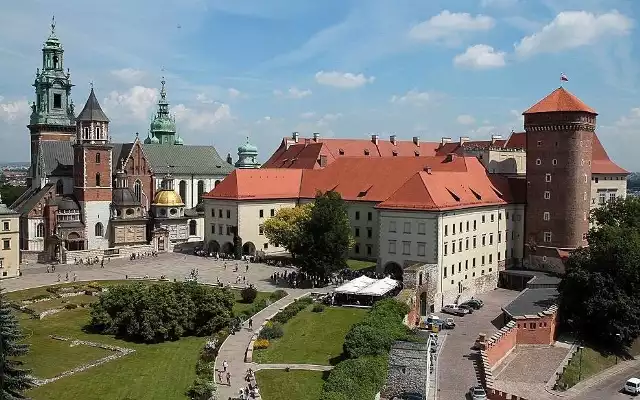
(70, 306)
(201, 389)
(271, 331)
(358, 379)
(204, 368)
(249, 294)
(95, 285)
(53, 289)
(158, 312)
(292, 309)
(40, 297)
(277, 295)
(318, 307)
(254, 309)
(261, 344)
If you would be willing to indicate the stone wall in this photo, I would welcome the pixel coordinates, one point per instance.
(482, 284)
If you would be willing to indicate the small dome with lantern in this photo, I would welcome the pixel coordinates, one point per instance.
(166, 196)
(247, 156)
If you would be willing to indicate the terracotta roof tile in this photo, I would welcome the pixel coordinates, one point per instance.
(256, 184)
(560, 100)
(517, 140)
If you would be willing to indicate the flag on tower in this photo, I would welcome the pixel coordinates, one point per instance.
(563, 78)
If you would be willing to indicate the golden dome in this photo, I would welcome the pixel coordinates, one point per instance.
(167, 198)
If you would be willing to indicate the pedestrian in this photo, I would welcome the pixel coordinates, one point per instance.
(66, 278)
(229, 378)
(58, 277)
(250, 323)
(246, 268)
(225, 365)
(47, 269)
(102, 263)
(219, 376)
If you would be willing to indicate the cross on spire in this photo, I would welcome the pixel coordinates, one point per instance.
(53, 25)
(91, 84)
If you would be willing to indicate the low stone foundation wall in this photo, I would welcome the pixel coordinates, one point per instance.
(113, 252)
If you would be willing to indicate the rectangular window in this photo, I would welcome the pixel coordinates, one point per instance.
(475, 242)
(507, 215)
(499, 256)
(453, 270)
(357, 232)
(406, 248)
(369, 232)
(392, 247)
(482, 263)
(446, 230)
(213, 213)
(407, 227)
(6, 244)
(213, 229)
(490, 258)
(473, 262)
(602, 197)
(490, 239)
(220, 213)
(57, 100)
(483, 219)
(612, 196)
(369, 250)
(5, 226)
(453, 247)
(220, 228)
(484, 240)
(356, 248)
(357, 215)
(392, 226)
(228, 213)
(446, 248)
(459, 267)
(460, 245)
(547, 237)
(273, 212)
(499, 215)
(260, 230)
(492, 218)
(547, 195)
(466, 265)
(453, 229)
(422, 247)
(228, 230)
(546, 216)
(445, 271)
(261, 212)
(547, 177)
(475, 225)
(422, 228)
(466, 244)
(467, 226)
(369, 216)
(460, 227)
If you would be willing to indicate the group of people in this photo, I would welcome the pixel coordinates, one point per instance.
(138, 256)
(295, 279)
(90, 261)
(250, 390)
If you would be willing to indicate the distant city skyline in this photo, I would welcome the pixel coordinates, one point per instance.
(237, 69)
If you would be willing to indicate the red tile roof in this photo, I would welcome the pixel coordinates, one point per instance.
(258, 184)
(300, 155)
(560, 100)
(517, 140)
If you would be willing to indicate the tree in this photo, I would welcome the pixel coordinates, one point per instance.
(326, 236)
(286, 227)
(14, 379)
(599, 294)
(11, 193)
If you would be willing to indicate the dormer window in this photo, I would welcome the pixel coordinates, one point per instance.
(417, 153)
(395, 153)
(366, 152)
(341, 151)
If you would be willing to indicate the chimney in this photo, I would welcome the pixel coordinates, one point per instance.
(463, 140)
(374, 139)
(295, 136)
(323, 161)
(427, 169)
(416, 140)
(445, 140)
(450, 157)
(392, 139)
(316, 136)
(495, 137)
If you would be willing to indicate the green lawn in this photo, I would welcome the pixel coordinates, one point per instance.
(593, 362)
(240, 306)
(61, 301)
(29, 293)
(312, 338)
(154, 372)
(356, 265)
(292, 385)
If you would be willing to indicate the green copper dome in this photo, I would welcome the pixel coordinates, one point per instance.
(160, 124)
(248, 149)
(151, 140)
(179, 141)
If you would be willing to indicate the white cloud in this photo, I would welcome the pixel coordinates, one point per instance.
(308, 114)
(234, 93)
(129, 75)
(136, 103)
(202, 119)
(465, 119)
(203, 98)
(498, 3)
(483, 132)
(632, 120)
(413, 97)
(14, 110)
(572, 29)
(293, 93)
(344, 80)
(480, 56)
(327, 118)
(448, 26)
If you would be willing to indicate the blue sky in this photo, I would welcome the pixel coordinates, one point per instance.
(344, 68)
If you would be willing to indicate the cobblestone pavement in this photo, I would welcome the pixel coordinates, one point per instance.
(172, 265)
(516, 375)
(457, 363)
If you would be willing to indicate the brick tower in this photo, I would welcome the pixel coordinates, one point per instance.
(559, 132)
(52, 114)
(92, 172)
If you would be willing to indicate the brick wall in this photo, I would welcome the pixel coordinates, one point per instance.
(501, 343)
(538, 329)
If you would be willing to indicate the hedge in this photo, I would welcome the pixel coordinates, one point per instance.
(356, 379)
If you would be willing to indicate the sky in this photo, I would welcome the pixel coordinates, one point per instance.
(256, 69)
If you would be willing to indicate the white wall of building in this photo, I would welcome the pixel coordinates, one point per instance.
(605, 187)
(191, 182)
(365, 228)
(34, 243)
(94, 212)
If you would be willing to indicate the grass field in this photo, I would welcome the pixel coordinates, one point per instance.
(154, 372)
(292, 385)
(240, 306)
(311, 338)
(592, 363)
(356, 265)
(60, 302)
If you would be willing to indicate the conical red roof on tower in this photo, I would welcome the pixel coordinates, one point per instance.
(560, 100)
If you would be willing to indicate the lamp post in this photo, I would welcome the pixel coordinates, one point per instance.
(618, 340)
(580, 348)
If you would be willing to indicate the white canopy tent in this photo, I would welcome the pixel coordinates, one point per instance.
(355, 285)
(379, 287)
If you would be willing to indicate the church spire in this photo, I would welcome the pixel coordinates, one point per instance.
(163, 126)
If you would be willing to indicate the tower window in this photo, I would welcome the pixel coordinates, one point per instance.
(98, 133)
(539, 143)
(59, 188)
(547, 177)
(538, 161)
(57, 100)
(546, 216)
(85, 133)
(137, 190)
(547, 195)
(99, 229)
(554, 162)
(98, 179)
(55, 62)
(192, 227)
(98, 157)
(547, 237)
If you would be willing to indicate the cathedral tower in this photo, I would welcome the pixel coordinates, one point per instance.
(247, 156)
(52, 114)
(163, 126)
(92, 171)
(559, 132)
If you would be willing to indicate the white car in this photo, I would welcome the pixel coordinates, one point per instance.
(455, 310)
(478, 393)
(632, 386)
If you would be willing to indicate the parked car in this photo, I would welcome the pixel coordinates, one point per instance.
(455, 310)
(475, 303)
(632, 386)
(409, 396)
(467, 307)
(478, 393)
(449, 323)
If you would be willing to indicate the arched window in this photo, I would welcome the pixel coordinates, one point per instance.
(216, 184)
(98, 133)
(183, 191)
(40, 230)
(137, 190)
(192, 227)
(59, 188)
(98, 158)
(200, 191)
(98, 179)
(99, 230)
